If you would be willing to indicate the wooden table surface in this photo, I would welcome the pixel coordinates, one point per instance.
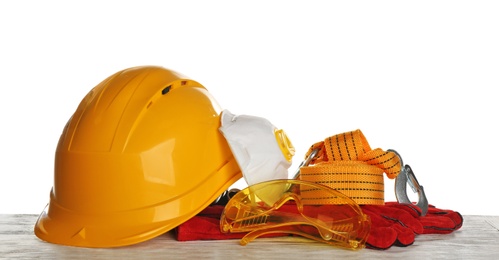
(477, 239)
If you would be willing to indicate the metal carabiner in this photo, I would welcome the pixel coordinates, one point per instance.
(407, 176)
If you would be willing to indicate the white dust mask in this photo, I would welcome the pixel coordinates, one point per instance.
(262, 151)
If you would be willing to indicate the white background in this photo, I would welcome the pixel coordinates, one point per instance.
(417, 76)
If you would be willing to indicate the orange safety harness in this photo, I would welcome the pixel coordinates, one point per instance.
(346, 162)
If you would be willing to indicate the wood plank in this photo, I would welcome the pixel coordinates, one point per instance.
(477, 239)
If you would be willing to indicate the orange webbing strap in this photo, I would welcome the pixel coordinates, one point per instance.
(346, 163)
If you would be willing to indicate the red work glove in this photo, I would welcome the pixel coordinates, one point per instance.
(390, 226)
(398, 224)
(436, 221)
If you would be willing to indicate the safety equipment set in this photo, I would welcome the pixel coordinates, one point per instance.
(149, 150)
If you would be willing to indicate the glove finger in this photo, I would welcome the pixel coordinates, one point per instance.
(441, 221)
(455, 216)
(397, 215)
(381, 238)
(376, 219)
(437, 225)
(405, 236)
(382, 235)
(386, 230)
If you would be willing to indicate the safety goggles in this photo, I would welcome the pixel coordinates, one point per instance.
(296, 207)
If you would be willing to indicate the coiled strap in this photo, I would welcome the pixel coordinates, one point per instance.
(346, 163)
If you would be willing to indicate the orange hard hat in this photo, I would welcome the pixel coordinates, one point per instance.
(142, 154)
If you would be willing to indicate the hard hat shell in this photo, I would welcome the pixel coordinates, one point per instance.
(141, 155)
